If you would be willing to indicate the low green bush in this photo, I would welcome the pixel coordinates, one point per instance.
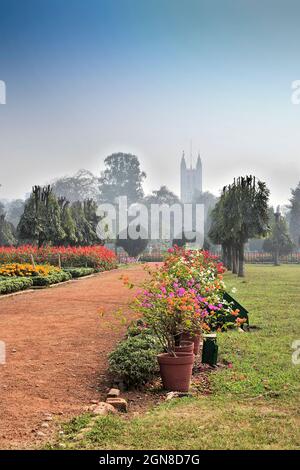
(79, 272)
(53, 278)
(8, 286)
(134, 359)
(138, 327)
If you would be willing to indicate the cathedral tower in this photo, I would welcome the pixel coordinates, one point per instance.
(190, 180)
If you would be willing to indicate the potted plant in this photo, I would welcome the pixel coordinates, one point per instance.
(185, 346)
(170, 310)
(182, 300)
(176, 371)
(194, 338)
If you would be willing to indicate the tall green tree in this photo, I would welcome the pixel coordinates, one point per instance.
(85, 219)
(220, 235)
(7, 232)
(121, 177)
(294, 215)
(67, 222)
(279, 241)
(41, 221)
(90, 213)
(240, 214)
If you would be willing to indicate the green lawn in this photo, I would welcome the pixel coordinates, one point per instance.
(254, 405)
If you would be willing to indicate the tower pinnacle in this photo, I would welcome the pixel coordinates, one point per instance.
(190, 179)
(199, 162)
(183, 163)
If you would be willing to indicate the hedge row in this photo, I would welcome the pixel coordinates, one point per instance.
(16, 284)
(54, 278)
(79, 272)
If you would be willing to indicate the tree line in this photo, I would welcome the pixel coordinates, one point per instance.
(66, 212)
(243, 213)
(48, 219)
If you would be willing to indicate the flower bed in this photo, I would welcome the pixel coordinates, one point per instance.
(182, 300)
(81, 262)
(15, 276)
(19, 276)
(26, 270)
(97, 257)
(185, 295)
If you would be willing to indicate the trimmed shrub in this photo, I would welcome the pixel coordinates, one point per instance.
(79, 272)
(134, 359)
(8, 286)
(54, 278)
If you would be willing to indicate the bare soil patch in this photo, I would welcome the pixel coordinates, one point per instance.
(57, 345)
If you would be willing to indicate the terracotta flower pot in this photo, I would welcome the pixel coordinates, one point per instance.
(176, 372)
(185, 347)
(196, 339)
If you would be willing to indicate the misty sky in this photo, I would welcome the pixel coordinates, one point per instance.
(86, 78)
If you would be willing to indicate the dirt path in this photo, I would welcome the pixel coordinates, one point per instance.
(57, 346)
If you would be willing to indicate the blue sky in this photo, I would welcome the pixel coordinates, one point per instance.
(88, 77)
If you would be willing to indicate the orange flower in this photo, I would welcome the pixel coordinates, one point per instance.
(235, 312)
(205, 327)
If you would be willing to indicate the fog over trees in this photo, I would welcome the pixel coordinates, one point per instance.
(83, 185)
(68, 214)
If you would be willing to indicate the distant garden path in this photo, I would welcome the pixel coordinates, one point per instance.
(57, 346)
